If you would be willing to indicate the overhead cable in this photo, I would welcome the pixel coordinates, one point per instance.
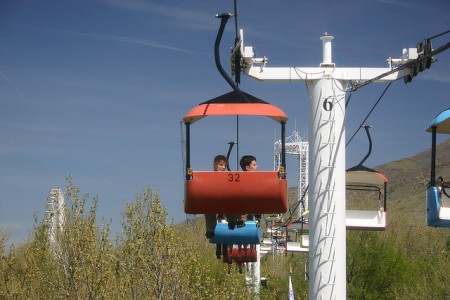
(403, 66)
(362, 123)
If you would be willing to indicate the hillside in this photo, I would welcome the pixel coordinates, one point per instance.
(408, 180)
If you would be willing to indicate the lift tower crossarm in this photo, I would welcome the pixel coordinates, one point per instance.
(256, 67)
(278, 74)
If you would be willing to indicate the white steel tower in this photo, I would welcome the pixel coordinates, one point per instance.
(54, 215)
(297, 146)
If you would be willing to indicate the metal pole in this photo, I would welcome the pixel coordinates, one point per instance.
(257, 276)
(188, 173)
(433, 156)
(327, 258)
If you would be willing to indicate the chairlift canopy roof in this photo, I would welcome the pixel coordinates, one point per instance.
(234, 104)
(441, 122)
(364, 176)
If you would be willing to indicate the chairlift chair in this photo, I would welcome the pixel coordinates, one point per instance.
(438, 191)
(363, 178)
(234, 192)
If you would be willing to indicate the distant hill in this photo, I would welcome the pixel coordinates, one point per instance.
(408, 180)
(409, 177)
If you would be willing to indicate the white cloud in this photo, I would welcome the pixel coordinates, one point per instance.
(436, 76)
(400, 3)
(131, 40)
(184, 17)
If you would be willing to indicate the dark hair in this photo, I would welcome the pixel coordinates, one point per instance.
(220, 158)
(246, 161)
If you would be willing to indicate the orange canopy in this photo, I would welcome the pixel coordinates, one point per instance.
(234, 104)
(363, 175)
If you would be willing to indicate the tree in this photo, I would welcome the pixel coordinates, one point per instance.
(77, 264)
(145, 259)
(167, 262)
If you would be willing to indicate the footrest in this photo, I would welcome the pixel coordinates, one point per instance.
(249, 234)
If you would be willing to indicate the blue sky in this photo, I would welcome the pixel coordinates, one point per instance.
(96, 89)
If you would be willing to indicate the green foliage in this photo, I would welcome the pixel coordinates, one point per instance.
(76, 264)
(148, 260)
(425, 248)
(376, 269)
(151, 259)
(154, 259)
(167, 262)
(275, 268)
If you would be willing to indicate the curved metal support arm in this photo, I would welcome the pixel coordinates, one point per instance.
(366, 127)
(228, 154)
(224, 19)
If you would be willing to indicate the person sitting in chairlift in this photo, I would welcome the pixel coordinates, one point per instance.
(219, 164)
(247, 163)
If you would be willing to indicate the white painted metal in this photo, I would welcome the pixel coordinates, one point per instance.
(327, 60)
(305, 240)
(253, 272)
(365, 219)
(444, 208)
(296, 145)
(326, 88)
(327, 235)
(305, 74)
(294, 247)
(54, 215)
(257, 276)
